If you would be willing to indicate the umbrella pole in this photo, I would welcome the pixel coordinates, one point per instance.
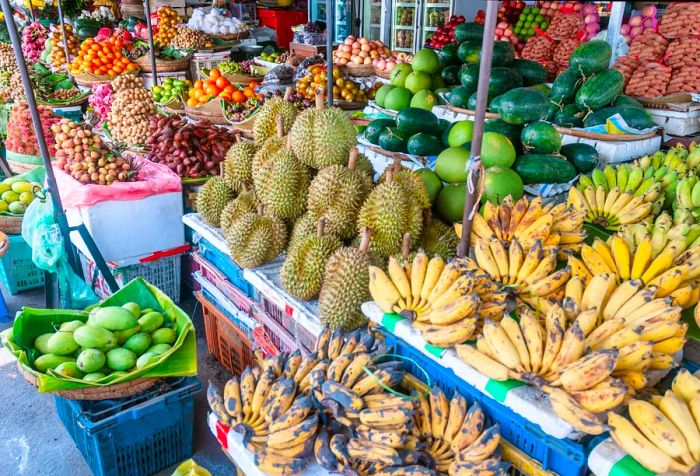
(151, 49)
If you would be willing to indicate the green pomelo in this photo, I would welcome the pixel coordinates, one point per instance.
(61, 343)
(451, 165)
(398, 74)
(431, 181)
(90, 360)
(120, 359)
(114, 318)
(397, 99)
(138, 343)
(164, 336)
(424, 99)
(151, 321)
(417, 81)
(426, 60)
(460, 133)
(450, 202)
(93, 337)
(497, 150)
(501, 182)
(381, 93)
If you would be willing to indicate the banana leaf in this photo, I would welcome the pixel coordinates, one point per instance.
(180, 360)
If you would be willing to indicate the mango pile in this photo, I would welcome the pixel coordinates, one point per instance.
(114, 340)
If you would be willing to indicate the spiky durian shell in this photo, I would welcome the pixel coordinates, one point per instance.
(303, 268)
(413, 183)
(265, 125)
(286, 185)
(264, 156)
(344, 289)
(336, 194)
(256, 239)
(238, 166)
(438, 238)
(323, 137)
(389, 212)
(363, 164)
(212, 198)
(244, 203)
(303, 227)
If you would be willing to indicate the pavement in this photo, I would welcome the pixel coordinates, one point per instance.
(34, 442)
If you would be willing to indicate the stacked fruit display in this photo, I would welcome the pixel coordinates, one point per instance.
(510, 11)
(343, 87)
(357, 425)
(529, 19)
(112, 342)
(217, 86)
(165, 25)
(131, 108)
(413, 85)
(187, 38)
(16, 194)
(191, 150)
(360, 51)
(170, 90)
(101, 101)
(101, 57)
(663, 434)
(81, 154)
(444, 34)
(413, 130)
(57, 55)
(639, 23)
(33, 39)
(21, 138)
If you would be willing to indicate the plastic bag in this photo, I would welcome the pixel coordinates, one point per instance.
(43, 235)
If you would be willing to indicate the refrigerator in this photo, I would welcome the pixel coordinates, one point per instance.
(433, 14)
(414, 21)
(372, 19)
(343, 15)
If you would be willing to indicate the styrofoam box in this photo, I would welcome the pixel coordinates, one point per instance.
(127, 230)
(612, 152)
(677, 123)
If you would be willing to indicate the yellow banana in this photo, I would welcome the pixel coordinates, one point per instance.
(423, 414)
(669, 280)
(532, 259)
(247, 391)
(659, 331)
(400, 280)
(579, 269)
(589, 370)
(458, 410)
(439, 412)
(661, 263)
(449, 275)
(355, 369)
(571, 347)
(642, 258)
(471, 428)
(569, 410)
(482, 448)
(619, 339)
(597, 292)
(515, 261)
(621, 256)
(550, 283)
(512, 330)
(295, 434)
(669, 346)
(432, 274)
(449, 335)
(658, 429)
(382, 289)
(459, 308)
(270, 463)
(391, 438)
(678, 412)
(574, 289)
(621, 295)
(500, 256)
(279, 399)
(594, 261)
(386, 418)
(486, 260)
(233, 400)
(501, 345)
(605, 254)
(419, 268)
(587, 321)
(605, 396)
(633, 353)
(640, 298)
(686, 385)
(482, 362)
(480, 228)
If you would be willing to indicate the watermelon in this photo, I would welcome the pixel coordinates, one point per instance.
(459, 96)
(522, 105)
(469, 51)
(469, 77)
(448, 54)
(450, 75)
(469, 32)
(584, 157)
(503, 53)
(503, 79)
(600, 90)
(591, 57)
(540, 137)
(376, 127)
(569, 116)
(543, 168)
(531, 71)
(565, 86)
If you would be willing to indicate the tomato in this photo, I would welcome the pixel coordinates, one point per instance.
(221, 82)
(192, 102)
(198, 84)
(238, 96)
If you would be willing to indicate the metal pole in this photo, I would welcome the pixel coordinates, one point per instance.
(151, 48)
(63, 32)
(330, 33)
(471, 204)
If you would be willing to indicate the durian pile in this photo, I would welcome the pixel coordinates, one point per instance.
(332, 408)
(302, 188)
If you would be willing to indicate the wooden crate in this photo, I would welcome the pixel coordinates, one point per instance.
(306, 50)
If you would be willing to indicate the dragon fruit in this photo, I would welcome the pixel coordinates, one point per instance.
(33, 38)
(20, 131)
(101, 100)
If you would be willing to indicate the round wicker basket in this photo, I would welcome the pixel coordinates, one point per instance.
(163, 66)
(359, 70)
(208, 112)
(232, 36)
(79, 102)
(104, 392)
(381, 73)
(242, 78)
(88, 79)
(469, 112)
(11, 225)
(606, 137)
(349, 105)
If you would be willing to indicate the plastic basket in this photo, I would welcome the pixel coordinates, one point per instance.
(225, 341)
(222, 304)
(226, 266)
(134, 436)
(163, 273)
(563, 457)
(17, 270)
(233, 293)
(301, 336)
(201, 61)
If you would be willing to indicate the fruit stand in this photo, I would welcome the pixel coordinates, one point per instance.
(479, 256)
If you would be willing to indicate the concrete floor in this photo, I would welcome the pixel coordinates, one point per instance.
(34, 442)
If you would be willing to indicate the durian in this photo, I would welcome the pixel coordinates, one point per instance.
(411, 180)
(390, 211)
(364, 165)
(303, 268)
(256, 238)
(322, 137)
(238, 166)
(304, 226)
(244, 203)
(337, 193)
(212, 198)
(266, 154)
(345, 287)
(285, 186)
(438, 238)
(265, 125)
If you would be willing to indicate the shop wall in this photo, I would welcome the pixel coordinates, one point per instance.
(468, 8)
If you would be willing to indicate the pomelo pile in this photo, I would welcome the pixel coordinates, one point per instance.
(114, 340)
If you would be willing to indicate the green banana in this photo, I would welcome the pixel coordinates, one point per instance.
(599, 179)
(610, 177)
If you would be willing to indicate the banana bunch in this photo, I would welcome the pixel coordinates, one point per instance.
(554, 356)
(528, 221)
(643, 328)
(663, 435)
(674, 160)
(686, 201)
(666, 175)
(680, 230)
(441, 300)
(616, 196)
(529, 273)
(453, 435)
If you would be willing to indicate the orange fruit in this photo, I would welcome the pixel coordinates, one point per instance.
(214, 74)
(212, 90)
(191, 102)
(221, 82)
(249, 93)
(238, 96)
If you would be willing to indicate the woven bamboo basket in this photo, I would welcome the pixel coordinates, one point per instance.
(242, 78)
(246, 126)
(232, 36)
(11, 225)
(381, 73)
(79, 102)
(88, 79)
(211, 111)
(359, 70)
(163, 66)
(606, 137)
(104, 392)
(349, 105)
(469, 112)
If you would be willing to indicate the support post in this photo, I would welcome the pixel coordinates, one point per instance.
(471, 202)
(330, 33)
(151, 48)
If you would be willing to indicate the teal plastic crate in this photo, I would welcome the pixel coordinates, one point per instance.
(17, 270)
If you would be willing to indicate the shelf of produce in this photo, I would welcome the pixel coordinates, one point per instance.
(404, 27)
(519, 397)
(608, 459)
(405, 4)
(264, 279)
(232, 445)
(437, 5)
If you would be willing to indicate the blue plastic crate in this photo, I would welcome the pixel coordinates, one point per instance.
(226, 265)
(17, 270)
(563, 457)
(134, 436)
